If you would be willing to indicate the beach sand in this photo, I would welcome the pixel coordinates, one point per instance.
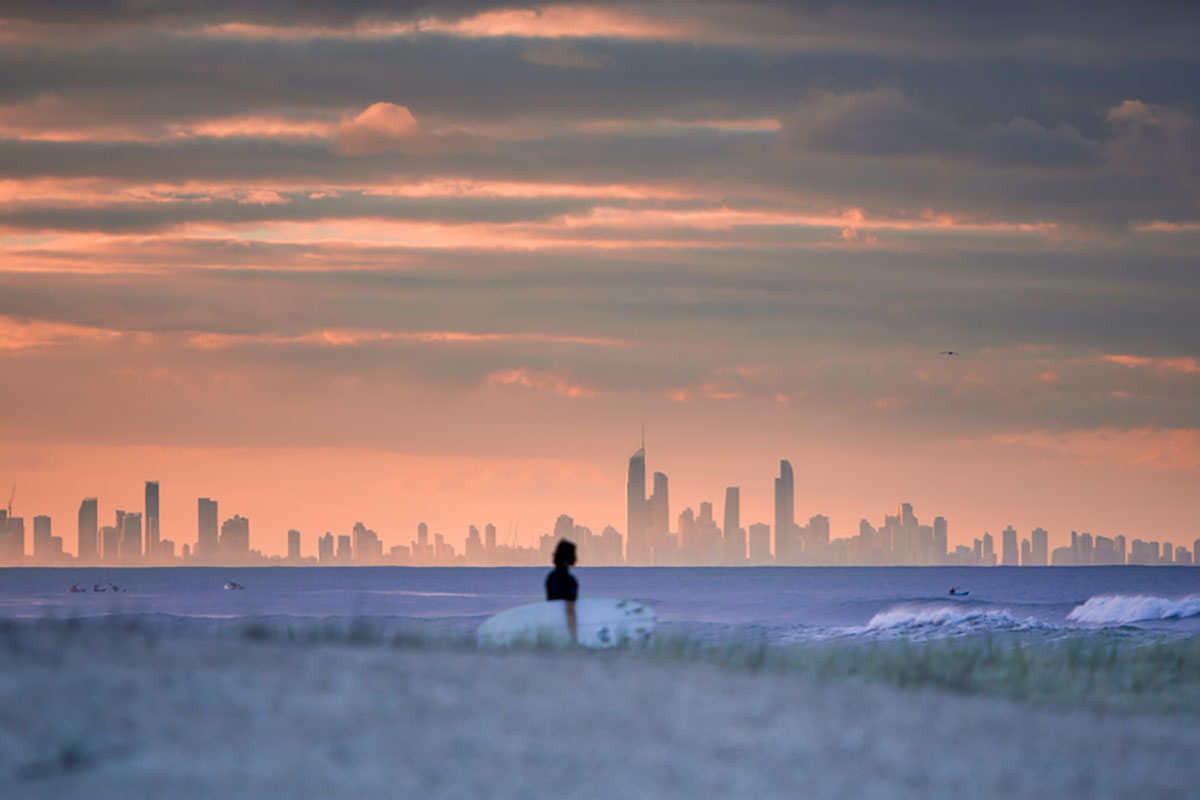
(107, 713)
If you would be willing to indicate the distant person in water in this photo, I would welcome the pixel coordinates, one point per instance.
(561, 584)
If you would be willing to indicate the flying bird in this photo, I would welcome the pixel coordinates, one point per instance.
(947, 353)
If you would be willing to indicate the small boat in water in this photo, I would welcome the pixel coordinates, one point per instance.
(956, 592)
(231, 586)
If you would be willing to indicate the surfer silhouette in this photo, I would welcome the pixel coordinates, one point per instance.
(561, 584)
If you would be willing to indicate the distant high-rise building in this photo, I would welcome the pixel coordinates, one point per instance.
(1026, 553)
(1039, 547)
(489, 537)
(12, 539)
(940, 540)
(989, 550)
(785, 515)
(110, 544)
(686, 527)
(42, 546)
(1008, 547)
(422, 551)
(344, 552)
(368, 549)
(151, 519)
(636, 539)
(1083, 549)
(760, 544)
(817, 534)
(293, 546)
(207, 532)
(474, 551)
(564, 527)
(234, 544)
(1105, 551)
(610, 550)
(658, 516)
(733, 509)
(87, 546)
(325, 548)
(131, 535)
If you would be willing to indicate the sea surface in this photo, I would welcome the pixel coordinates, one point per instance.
(780, 604)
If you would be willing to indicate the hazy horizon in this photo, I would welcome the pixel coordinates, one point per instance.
(440, 263)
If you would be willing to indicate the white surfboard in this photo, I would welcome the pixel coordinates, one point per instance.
(600, 623)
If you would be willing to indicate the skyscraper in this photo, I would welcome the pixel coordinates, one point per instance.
(733, 509)
(207, 532)
(151, 519)
(1039, 549)
(12, 539)
(235, 539)
(760, 544)
(110, 544)
(658, 513)
(785, 515)
(294, 546)
(940, 540)
(87, 545)
(41, 538)
(1008, 547)
(131, 536)
(636, 540)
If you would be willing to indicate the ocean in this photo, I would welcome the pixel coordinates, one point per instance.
(777, 604)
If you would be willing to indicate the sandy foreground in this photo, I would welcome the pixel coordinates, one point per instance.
(99, 714)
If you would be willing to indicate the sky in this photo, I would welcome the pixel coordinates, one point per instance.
(414, 261)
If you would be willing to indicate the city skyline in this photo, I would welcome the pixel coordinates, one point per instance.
(695, 540)
(458, 272)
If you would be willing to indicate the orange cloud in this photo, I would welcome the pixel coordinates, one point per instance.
(554, 21)
(383, 127)
(349, 338)
(1171, 449)
(1185, 365)
(17, 335)
(544, 380)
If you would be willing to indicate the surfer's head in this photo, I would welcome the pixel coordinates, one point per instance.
(564, 554)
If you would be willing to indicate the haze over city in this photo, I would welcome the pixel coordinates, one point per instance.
(652, 537)
(366, 366)
(449, 279)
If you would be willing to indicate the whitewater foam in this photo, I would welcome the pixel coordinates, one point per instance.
(1121, 609)
(949, 619)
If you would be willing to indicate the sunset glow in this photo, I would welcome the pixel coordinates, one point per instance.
(437, 266)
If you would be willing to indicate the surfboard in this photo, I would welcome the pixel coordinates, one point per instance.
(600, 623)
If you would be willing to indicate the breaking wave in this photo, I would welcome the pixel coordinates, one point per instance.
(1122, 609)
(949, 620)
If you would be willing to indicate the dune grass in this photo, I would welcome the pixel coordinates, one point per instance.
(1107, 673)
(1106, 670)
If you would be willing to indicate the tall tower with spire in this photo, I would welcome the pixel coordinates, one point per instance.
(637, 549)
(785, 515)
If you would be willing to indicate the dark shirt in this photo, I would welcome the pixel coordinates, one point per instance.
(561, 585)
